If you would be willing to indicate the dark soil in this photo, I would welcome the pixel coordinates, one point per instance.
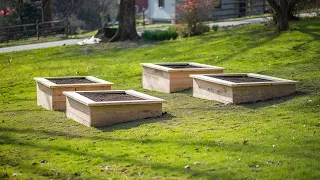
(70, 80)
(240, 79)
(100, 97)
(105, 33)
(179, 66)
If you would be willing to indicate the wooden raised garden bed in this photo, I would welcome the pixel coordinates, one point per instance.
(49, 89)
(172, 77)
(101, 108)
(240, 88)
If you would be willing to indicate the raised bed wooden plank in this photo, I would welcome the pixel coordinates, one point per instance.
(91, 113)
(50, 95)
(211, 87)
(164, 77)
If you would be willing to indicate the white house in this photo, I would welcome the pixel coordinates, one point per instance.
(164, 10)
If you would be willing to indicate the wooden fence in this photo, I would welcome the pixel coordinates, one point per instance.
(243, 8)
(34, 30)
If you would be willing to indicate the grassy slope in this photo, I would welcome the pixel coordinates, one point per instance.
(283, 134)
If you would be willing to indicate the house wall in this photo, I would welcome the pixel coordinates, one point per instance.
(228, 9)
(258, 10)
(165, 13)
(141, 3)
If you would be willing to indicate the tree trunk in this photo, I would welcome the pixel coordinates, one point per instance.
(127, 22)
(46, 10)
(283, 21)
(72, 6)
(281, 9)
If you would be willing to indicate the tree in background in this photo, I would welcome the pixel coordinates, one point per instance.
(281, 9)
(46, 10)
(108, 7)
(298, 6)
(191, 14)
(127, 22)
(21, 12)
(24, 12)
(85, 14)
(286, 10)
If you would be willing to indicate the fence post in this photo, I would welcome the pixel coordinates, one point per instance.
(143, 16)
(67, 28)
(37, 28)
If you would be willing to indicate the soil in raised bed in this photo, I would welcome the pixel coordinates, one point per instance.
(100, 97)
(240, 79)
(179, 66)
(82, 80)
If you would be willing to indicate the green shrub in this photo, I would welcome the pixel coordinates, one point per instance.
(192, 14)
(182, 30)
(185, 31)
(203, 28)
(159, 35)
(215, 27)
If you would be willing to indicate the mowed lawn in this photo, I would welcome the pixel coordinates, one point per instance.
(275, 139)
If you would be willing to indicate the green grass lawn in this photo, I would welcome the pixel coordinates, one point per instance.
(282, 135)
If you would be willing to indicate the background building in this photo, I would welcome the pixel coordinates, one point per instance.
(164, 10)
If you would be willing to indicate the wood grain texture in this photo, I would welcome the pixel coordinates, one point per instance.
(78, 112)
(98, 116)
(44, 96)
(153, 79)
(107, 115)
(53, 98)
(170, 81)
(240, 94)
(217, 92)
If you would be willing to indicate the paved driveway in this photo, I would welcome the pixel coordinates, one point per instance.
(39, 45)
(240, 22)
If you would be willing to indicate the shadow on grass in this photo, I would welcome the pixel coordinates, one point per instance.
(128, 125)
(252, 105)
(257, 148)
(270, 102)
(23, 110)
(243, 50)
(314, 32)
(37, 168)
(41, 170)
(186, 92)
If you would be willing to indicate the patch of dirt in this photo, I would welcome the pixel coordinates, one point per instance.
(240, 79)
(124, 44)
(114, 46)
(180, 66)
(100, 97)
(70, 80)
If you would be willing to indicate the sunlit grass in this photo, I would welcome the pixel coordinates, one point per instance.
(276, 139)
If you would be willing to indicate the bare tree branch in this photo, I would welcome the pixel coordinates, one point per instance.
(275, 5)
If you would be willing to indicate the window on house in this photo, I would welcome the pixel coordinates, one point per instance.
(161, 3)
